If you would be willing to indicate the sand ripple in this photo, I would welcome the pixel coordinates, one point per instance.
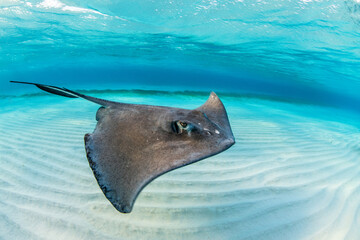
(294, 173)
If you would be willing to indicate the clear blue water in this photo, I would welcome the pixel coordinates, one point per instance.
(302, 49)
(286, 70)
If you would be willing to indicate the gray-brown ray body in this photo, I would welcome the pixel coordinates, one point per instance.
(133, 144)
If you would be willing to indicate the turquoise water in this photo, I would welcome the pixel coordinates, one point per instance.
(294, 49)
(286, 70)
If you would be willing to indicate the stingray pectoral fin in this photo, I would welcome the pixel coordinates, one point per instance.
(114, 175)
(68, 93)
(122, 177)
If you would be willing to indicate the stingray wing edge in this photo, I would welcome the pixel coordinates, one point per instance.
(123, 208)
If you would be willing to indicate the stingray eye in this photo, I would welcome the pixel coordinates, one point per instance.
(180, 127)
(183, 124)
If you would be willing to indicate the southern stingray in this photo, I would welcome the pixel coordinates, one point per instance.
(133, 144)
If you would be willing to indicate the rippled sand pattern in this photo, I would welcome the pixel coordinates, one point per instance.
(294, 173)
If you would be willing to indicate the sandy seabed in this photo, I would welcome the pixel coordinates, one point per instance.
(294, 173)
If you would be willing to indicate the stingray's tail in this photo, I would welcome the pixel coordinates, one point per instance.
(68, 93)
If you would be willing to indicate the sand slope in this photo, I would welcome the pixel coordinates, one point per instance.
(294, 173)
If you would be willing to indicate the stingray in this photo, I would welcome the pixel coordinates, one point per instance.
(133, 144)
